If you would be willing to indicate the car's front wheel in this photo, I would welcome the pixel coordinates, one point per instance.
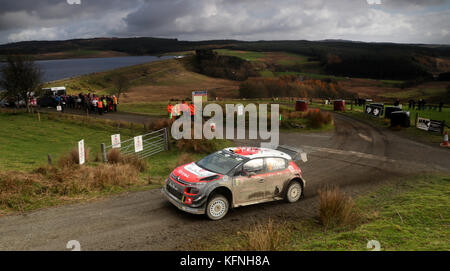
(217, 207)
(294, 192)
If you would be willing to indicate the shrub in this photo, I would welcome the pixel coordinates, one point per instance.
(184, 158)
(318, 119)
(197, 145)
(23, 191)
(134, 160)
(335, 208)
(73, 158)
(158, 124)
(114, 156)
(266, 237)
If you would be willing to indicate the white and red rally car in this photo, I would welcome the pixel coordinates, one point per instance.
(234, 177)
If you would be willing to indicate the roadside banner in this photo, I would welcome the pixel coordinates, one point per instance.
(429, 125)
(81, 155)
(115, 140)
(138, 144)
(374, 110)
(423, 124)
(436, 126)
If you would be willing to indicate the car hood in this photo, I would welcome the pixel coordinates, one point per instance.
(192, 173)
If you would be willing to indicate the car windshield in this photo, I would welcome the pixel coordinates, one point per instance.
(220, 162)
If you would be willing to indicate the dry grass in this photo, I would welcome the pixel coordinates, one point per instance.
(318, 119)
(21, 191)
(114, 156)
(184, 158)
(73, 158)
(158, 124)
(336, 208)
(266, 236)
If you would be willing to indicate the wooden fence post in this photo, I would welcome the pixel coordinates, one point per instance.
(166, 139)
(103, 149)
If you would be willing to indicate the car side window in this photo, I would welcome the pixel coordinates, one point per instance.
(275, 164)
(254, 166)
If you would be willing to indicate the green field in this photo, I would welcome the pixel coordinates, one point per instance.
(415, 93)
(246, 55)
(25, 142)
(411, 214)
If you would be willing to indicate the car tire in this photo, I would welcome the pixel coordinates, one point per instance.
(217, 207)
(294, 192)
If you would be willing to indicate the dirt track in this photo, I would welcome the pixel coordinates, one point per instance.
(356, 157)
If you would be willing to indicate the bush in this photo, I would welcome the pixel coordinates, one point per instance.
(318, 119)
(335, 208)
(114, 156)
(266, 237)
(24, 191)
(73, 158)
(197, 145)
(158, 124)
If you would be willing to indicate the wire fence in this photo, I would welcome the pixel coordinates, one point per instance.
(150, 144)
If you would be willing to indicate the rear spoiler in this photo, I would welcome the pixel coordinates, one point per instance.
(295, 153)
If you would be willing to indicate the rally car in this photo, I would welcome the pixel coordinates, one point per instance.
(235, 177)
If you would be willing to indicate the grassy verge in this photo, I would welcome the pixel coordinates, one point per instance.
(27, 183)
(411, 214)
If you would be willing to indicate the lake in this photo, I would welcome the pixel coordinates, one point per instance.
(64, 68)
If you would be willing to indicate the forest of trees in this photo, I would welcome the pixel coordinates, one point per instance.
(208, 62)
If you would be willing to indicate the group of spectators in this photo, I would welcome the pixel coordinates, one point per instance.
(87, 102)
(421, 105)
(175, 111)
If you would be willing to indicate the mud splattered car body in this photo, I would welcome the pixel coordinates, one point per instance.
(236, 177)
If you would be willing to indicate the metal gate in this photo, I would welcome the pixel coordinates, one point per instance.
(153, 143)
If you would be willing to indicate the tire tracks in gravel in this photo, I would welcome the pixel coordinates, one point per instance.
(146, 221)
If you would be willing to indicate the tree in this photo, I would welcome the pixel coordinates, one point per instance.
(20, 77)
(121, 84)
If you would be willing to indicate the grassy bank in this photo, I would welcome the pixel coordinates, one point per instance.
(411, 214)
(28, 183)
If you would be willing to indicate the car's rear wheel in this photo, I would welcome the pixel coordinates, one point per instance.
(217, 207)
(294, 192)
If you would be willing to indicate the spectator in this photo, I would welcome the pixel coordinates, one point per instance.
(100, 107)
(115, 103)
(170, 110)
(441, 104)
(192, 110)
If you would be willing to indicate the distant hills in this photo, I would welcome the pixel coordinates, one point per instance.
(338, 57)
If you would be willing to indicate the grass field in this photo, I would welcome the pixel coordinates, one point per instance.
(25, 142)
(411, 214)
(27, 183)
(246, 55)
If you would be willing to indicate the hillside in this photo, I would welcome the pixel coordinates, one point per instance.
(155, 81)
(340, 58)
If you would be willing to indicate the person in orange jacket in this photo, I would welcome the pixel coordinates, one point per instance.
(100, 106)
(192, 110)
(170, 110)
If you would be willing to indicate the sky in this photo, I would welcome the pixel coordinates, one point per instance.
(401, 21)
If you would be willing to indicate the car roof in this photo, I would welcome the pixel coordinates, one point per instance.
(255, 152)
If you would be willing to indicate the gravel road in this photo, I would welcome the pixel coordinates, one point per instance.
(356, 157)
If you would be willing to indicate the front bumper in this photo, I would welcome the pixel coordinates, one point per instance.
(181, 206)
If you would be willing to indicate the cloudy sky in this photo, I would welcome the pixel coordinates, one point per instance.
(405, 21)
